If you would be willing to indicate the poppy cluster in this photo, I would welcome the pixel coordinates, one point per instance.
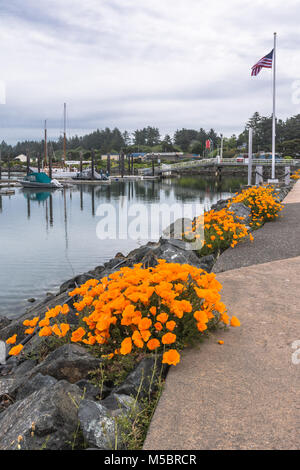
(137, 310)
(262, 202)
(296, 175)
(221, 230)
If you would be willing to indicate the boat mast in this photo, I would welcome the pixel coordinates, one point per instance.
(45, 150)
(65, 139)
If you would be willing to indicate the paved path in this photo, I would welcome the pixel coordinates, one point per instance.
(243, 394)
(279, 239)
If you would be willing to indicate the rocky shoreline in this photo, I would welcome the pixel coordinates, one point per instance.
(45, 397)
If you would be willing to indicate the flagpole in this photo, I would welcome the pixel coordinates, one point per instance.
(274, 109)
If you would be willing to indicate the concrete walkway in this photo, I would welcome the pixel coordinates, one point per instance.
(279, 239)
(243, 394)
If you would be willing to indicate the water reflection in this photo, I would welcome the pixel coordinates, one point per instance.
(35, 195)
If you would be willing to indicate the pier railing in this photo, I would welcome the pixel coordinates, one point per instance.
(225, 162)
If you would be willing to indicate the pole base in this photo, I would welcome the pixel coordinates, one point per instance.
(272, 181)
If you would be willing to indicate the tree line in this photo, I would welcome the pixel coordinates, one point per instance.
(184, 140)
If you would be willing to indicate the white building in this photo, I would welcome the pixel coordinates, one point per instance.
(22, 158)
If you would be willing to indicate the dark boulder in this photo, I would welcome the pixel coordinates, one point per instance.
(4, 322)
(34, 384)
(207, 262)
(97, 426)
(25, 367)
(39, 309)
(143, 379)
(46, 419)
(240, 210)
(177, 228)
(91, 391)
(71, 362)
(118, 403)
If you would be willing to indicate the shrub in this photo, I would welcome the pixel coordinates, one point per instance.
(296, 175)
(220, 231)
(262, 202)
(140, 310)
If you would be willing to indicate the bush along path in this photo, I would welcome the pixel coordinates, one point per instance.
(87, 372)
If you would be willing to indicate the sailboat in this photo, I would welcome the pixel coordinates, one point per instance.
(41, 180)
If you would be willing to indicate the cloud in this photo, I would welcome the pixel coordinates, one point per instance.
(128, 64)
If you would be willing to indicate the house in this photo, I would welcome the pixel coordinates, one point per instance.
(22, 158)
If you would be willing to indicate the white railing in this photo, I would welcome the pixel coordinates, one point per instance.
(225, 162)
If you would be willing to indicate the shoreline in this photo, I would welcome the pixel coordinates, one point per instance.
(42, 379)
(173, 250)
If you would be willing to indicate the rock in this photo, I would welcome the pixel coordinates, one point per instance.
(97, 426)
(176, 229)
(75, 282)
(71, 362)
(240, 210)
(53, 414)
(5, 385)
(31, 300)
(207, 262)
(137, 255)
(180, 244)
(174, 254)
(81, 279)
(24, 367)
(142, 379)
(38, 309)
(4, 322)
(36, 383)
(92, 391)
(220, 204)
(118, 403)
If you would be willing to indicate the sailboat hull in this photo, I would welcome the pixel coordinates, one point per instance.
(31, 184)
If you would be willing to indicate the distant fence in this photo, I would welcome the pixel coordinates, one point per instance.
(225, 162)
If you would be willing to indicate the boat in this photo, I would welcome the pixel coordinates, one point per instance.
(40, 180)
(87, 175)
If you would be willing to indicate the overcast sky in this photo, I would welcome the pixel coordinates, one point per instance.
(133, 63)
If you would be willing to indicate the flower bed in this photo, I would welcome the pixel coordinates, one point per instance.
(223, 228)
(138, 310)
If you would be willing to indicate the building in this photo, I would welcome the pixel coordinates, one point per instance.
(22, 158)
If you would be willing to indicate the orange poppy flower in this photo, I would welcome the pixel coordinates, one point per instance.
(126, 346)
(171, 357)
(46, 331)
(65, 309)
(144, 324)
(16, 350)
(12, 339)
(145, 334)
(153, 344)
(153, 310)
(78, 334)
(235, 321)
(168, 338)
(170, 325)
(162, 317)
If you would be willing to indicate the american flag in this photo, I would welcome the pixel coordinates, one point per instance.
(266, 62)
